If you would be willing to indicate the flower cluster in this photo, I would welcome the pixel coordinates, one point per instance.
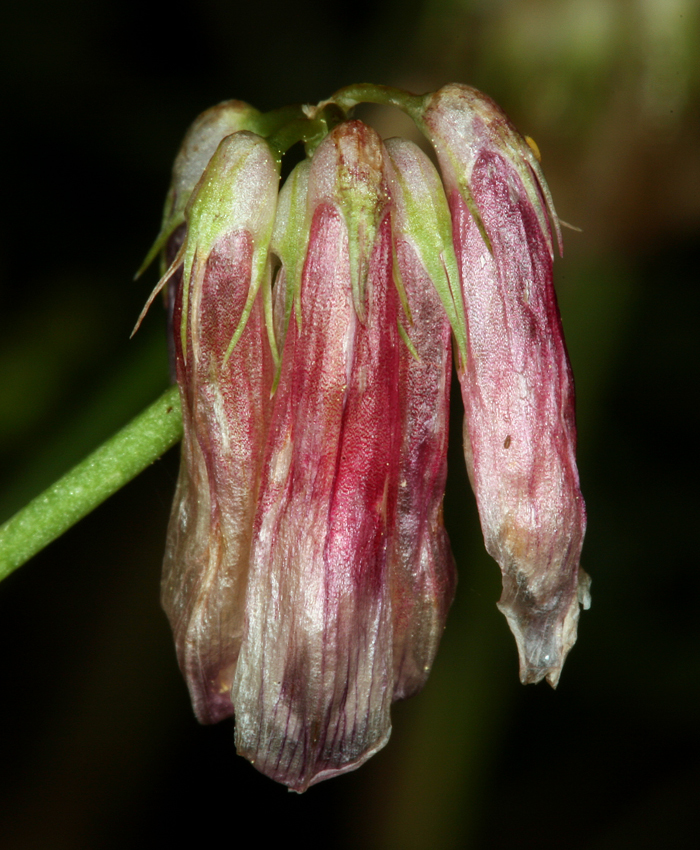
(308, 573)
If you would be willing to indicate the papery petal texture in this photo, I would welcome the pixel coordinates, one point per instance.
(519, 431)
(423, 574)
(226, 409)
(313, 685)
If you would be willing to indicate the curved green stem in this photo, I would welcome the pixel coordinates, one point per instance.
(271, 122)
(411, 104)
(88, 484)
(310, 129)
(299, 130)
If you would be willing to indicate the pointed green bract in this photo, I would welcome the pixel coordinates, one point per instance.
(291, 236)
(422, 217)
(198, 146)
(350, 176)
(238, 191)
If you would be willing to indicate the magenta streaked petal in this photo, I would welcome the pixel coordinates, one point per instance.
(313, 685)
(226, 407)
(423, 572)
(422, 567)
(519, 415)
(520, 435)
(224, 415)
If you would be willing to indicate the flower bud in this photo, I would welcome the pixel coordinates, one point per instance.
(423, 572)
(198, 146)
(314, 679)
(519, 430)
(225, 371)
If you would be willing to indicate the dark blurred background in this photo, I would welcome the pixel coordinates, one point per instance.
(98, 744)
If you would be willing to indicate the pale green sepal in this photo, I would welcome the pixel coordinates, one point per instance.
(198, 147)
(533, 162)
(468, 199)
(192, 269)
(269, 317)
(400, 288)
(156, 247)
(361, 211)
(521, 155)
(174, 266)
(361, 197)
(237, 192)
(422, 217)
(290, 238)
(459, 326)
(347, 171)
(403, 333)
(260, 271)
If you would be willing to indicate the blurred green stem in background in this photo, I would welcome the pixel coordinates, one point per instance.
(88, 484)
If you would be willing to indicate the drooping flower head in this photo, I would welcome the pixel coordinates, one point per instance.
(308, 573)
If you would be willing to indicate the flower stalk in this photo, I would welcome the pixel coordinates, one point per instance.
(91, 482)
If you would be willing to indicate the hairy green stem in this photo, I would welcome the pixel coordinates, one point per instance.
(88, 484)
